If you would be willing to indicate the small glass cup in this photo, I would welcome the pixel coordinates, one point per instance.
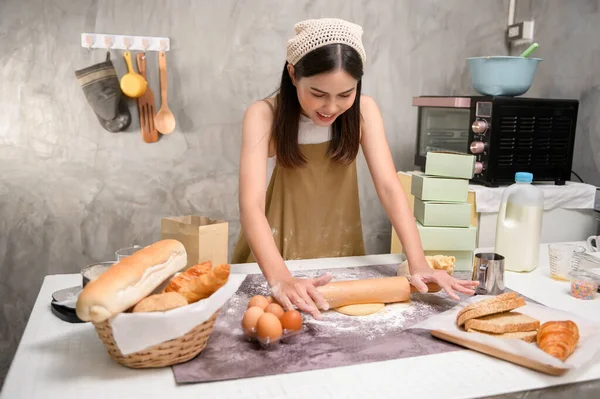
(590, 261)
(564, 258)
(127, 251)
(93, 271)
(584, 284)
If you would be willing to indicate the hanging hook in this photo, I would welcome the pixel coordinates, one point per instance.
(145, 45)
(109, 41)
(89, 40)
(127, 42)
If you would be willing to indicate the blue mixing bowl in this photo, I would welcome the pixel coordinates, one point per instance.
(502, 75)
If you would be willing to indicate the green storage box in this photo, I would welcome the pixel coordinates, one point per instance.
(450, 164)
(443, 214)
(447, 238)
(441, 189)
(464, 259)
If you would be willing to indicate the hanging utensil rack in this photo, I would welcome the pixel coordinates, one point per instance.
(124, 42)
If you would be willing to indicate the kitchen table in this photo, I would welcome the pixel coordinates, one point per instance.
(59, 360)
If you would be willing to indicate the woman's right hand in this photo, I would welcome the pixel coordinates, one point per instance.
(301, 293)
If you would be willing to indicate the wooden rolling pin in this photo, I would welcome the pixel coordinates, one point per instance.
(375, 290)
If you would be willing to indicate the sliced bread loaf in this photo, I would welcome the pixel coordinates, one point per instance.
(498, 298)
(527, 336)
(490, 308)
(505, 322)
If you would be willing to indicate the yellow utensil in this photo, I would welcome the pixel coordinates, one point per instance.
(132, 83)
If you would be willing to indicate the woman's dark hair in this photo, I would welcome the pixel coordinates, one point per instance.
(345, 130)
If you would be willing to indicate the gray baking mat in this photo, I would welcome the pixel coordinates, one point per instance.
(336, 340)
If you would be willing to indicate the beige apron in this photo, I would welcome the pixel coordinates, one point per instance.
(313, 210)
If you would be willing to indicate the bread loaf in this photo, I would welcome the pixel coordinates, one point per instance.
(436, 262)
(201, 286)
(160, 302)
(490, 308)
(489, 301)
(506, 322)
(178, 282)
(527, 336)
(130, 280)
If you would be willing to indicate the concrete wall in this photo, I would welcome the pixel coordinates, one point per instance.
(72, 193)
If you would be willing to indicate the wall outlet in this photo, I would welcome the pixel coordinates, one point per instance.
(520, 33)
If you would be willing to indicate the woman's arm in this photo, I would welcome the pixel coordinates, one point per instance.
(289, 291)
(389, 190)
(256, 128)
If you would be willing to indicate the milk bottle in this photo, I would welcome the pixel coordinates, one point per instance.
(519, 224)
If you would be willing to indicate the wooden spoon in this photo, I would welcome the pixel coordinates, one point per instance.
(165, 120)
(132, 84)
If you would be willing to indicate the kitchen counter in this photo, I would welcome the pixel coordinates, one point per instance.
(60, 360)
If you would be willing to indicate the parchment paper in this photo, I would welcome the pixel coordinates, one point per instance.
(589, 332)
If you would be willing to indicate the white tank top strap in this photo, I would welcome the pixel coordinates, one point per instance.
(310, 133)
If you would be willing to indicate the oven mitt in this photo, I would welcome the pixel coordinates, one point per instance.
(100, 85)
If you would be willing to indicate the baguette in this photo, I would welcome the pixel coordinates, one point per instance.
(506, 322)
(203, 285)
(130, 280)
(177, 283)
(160, 302)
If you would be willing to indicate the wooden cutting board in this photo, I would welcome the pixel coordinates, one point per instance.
(500, 354)
(146, 107)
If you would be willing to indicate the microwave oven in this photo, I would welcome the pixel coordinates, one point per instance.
(506, 135)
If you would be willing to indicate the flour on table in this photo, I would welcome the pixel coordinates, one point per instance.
(392, 319)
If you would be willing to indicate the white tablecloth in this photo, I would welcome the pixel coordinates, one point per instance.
(63, 361)
(572, 195)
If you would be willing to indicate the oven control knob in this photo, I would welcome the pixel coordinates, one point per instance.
(479, 167)
(477, 147)
(479, 127)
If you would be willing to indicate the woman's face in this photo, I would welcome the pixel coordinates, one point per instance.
(325, 96)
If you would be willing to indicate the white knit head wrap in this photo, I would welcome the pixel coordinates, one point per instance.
(314, 33)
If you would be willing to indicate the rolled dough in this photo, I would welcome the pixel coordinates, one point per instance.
(362, 309)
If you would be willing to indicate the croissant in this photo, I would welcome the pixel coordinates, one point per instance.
(558, 338)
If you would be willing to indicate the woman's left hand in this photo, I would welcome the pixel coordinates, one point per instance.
(444, 280)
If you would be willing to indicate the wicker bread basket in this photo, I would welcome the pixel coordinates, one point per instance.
(168, 353)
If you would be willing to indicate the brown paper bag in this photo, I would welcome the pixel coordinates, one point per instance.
(204, 238)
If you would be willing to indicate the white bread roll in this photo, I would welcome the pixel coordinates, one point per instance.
(126, 283)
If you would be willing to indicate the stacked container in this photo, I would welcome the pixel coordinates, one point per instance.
(441, 209)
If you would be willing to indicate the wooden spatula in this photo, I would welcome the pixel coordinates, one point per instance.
(165, 120)
(146, 107)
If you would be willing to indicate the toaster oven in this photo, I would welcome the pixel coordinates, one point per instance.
(506, 135)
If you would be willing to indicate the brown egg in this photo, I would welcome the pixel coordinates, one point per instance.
(292, 320)
(268, 327)
(275, 309)
(271, 299)
(250, 319)
(258, 300)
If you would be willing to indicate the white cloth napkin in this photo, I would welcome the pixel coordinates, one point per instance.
(137, 331)
(572, 195)
(589, 341)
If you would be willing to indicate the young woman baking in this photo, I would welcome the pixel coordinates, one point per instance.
(314, 127)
